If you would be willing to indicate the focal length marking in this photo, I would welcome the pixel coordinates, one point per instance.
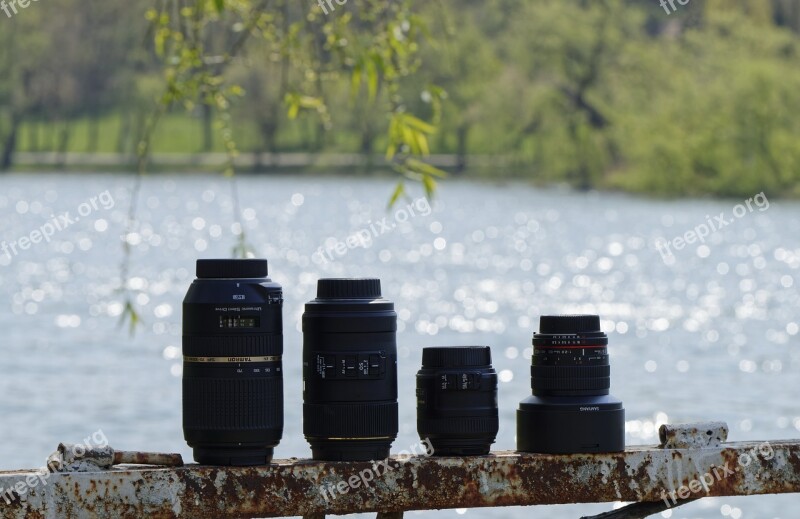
(231, 360)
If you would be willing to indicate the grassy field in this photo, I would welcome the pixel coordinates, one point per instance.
(176, 133)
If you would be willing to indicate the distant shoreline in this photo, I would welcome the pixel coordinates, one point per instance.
(246, 161)
(480, 168)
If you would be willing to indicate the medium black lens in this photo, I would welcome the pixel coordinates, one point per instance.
(350, 371)
(571, 410)
(232, 376)
(457, 400)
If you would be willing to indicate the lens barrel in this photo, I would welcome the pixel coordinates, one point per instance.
(232, 369)
(350, 408)
(571, 410)
(457, 400)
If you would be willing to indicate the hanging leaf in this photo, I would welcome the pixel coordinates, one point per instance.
(399, 191)
(430, 185)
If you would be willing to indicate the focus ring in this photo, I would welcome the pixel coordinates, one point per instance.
(372, 420)
(570, 378)
(464, 425)
(541, 371)
(232, 346)
(232, 405)
(567, 384)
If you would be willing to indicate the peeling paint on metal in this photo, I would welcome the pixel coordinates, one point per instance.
(291, 487)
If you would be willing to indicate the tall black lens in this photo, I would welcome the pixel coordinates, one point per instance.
(232, 373)
(571, 410)
(457, 400)
(350, 371)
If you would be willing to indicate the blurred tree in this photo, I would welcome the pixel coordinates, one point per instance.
(464, 72)
(22, 50)
(373, 43)
(570, 52)
(52, 74)
(613, 94)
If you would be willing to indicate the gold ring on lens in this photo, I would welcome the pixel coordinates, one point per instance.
(231, 360)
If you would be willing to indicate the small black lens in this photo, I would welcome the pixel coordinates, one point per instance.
(571, 410)
(350, 371)
(457, 400)
(232, 376)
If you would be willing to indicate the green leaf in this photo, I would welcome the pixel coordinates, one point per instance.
(132, 316)
(220, 5)
(372, 79)
(422, 144)
(425, 168)
(430, 185)
(355, 80)
(419, 124)
(399, 191)
(391, 151)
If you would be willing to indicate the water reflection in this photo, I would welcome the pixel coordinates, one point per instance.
(711, 336)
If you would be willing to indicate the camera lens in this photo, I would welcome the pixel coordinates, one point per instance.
(571, 410)
(457, 400)
(232, 376)
(350, 371)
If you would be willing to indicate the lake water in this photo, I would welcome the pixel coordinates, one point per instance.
(710, 334)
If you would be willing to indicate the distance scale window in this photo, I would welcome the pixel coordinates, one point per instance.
(237, 322)
(459, 381)
(368, 366)
(257, 371)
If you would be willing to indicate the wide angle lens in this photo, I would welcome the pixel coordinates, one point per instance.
(457, 400)
(232, 373)
(571, 410)
(350, 371)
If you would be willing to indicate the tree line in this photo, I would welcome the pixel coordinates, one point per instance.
(612, 94)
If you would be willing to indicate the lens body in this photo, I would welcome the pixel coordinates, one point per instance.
(571, 410)
(350, 371)
(232, 371)
(457, 400)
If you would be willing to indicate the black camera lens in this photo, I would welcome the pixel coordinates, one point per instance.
(350, 371)
(457, 400)
(232, 373)
(571, 410)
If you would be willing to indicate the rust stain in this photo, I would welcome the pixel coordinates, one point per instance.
(292, 487)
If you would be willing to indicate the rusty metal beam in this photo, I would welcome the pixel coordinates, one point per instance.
(295, 487)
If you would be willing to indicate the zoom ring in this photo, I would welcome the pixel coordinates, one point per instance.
(541, 371)
(566, 384)
(350, 420)
(464, 425)
(236, 405)
(232, 345)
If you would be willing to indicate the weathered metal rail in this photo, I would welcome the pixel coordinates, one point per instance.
(311, 488)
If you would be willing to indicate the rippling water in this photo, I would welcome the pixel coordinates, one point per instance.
(712, 333)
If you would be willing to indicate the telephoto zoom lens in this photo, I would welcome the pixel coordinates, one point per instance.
(571, 410)
(350, 371)
(457, 400)
(232, 376)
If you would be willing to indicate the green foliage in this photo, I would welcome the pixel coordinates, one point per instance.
(611, 95)
(733, 136)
